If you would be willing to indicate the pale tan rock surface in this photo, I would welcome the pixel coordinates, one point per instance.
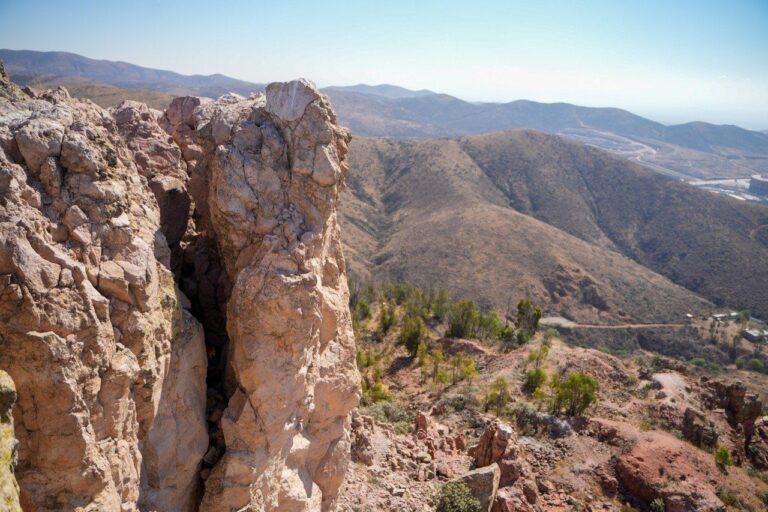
(108, 367)
(266, 173)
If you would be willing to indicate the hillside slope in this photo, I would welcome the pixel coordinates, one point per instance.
(520, 212)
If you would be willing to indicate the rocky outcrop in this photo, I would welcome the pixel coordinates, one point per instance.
(698, 429)
(9, 489)
(483, 483)
(662, 467)
(757, 446)
(102, 214)
(517, 488)
(266, 176)
(108, 366)
(743, 407)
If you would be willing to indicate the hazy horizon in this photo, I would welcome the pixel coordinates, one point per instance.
(676, 63)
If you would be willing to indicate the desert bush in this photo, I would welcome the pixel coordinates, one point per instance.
(657, 505)
(387, 317)
(534, 379)
(528, 316)
(440, 304)
(462, 367)
(507, 334)
(412, 333)
(750, 363)
(393, 413)
(723, 457)
(497, 395)
(456, 497)
(539, 356)
(573, 394)
(488, 325)
(462, 319)
(376, 392)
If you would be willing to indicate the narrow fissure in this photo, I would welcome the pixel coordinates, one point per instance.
(202, 278)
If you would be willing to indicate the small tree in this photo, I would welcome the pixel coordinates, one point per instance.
(528, 317)
(437, 359)
(440, 304)
(574, 394)
(462, 319)
(457, 497)
(468, 370)
(489, 325)
(539, 357)
(387, 317)
(413, 333)
(442, 378)
(534, 379)
(497, 396)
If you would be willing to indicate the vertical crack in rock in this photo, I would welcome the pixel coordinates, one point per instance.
(265, 177)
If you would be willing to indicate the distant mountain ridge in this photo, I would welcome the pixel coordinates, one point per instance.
(384, 90)
(25, 65)
(684, 151)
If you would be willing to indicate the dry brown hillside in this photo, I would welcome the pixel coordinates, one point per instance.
(520, 212)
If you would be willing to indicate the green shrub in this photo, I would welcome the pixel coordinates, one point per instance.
(462, 367)
(413, 333)
(574, 394)
(489, 325)
(528, 317)
(376, 392)
(534, 379)
(388, 316)
(440, 304)
(723, 457)
(657, 505)
(456, 497)
(462, 319)
(393, 413)
(527, 418)
(362, 310)
(507, 334)
(756, 365)
(497, 395)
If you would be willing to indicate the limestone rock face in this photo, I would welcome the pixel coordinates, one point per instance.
(109, 368)
(266, 174)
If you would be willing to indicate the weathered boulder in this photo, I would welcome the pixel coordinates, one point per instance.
(266, 174)
(742, 407)
(757, 448)
(483, 483)
(498, 444)
(106, 362)
(698, 430)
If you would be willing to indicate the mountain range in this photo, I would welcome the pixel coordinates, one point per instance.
(684, 151)
(589, 233)
(517, 213)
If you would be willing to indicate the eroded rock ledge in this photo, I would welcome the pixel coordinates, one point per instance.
(105, 222)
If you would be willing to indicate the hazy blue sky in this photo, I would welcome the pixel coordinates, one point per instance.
(671, 60)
